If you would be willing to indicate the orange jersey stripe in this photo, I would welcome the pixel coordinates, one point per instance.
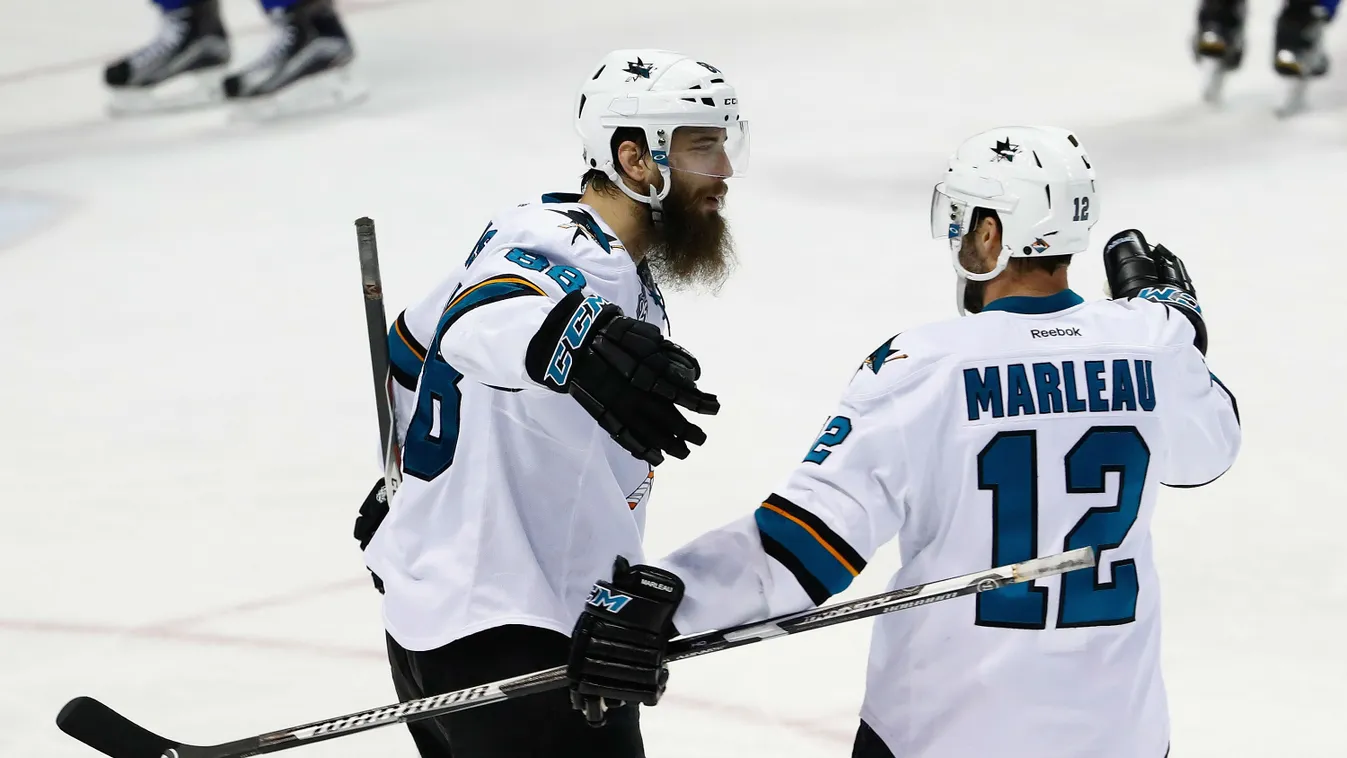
(420, 355)
(506, 278)
(815, 535)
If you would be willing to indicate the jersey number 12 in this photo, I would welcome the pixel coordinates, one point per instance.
(1008, 467)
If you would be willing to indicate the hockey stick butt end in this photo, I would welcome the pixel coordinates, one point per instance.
(1071, 560)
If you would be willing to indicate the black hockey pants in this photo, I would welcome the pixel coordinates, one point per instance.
(537, 726)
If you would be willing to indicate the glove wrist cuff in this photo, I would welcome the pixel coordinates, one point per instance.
(566, 330)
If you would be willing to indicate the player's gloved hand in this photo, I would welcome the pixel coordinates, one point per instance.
(624, 373)
(619, 641)
(1135, 269)
(372, 513)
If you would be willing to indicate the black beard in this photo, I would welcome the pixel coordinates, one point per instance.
(692, 246)
(973, 295)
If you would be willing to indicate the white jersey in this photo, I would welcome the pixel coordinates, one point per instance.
(513, 498)
(1038, 426)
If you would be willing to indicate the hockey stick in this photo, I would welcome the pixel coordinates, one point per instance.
(377, 325)
(112, 734)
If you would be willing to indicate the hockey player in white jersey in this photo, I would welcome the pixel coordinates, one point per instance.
(536, 391)
(1038, 423)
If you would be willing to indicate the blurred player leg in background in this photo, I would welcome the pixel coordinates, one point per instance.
(183, 65)
(1219, 42)
(1300, 54)
(1300, 28)
(307, 64)
(1298, 46)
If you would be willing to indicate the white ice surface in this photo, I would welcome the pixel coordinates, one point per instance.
(186, 424)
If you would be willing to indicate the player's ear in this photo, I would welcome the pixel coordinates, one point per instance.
(988, 236)
(637, 165)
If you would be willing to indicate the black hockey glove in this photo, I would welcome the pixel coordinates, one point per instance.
(623, 373)
(619, 641)
(1135, 269)
(372, 513)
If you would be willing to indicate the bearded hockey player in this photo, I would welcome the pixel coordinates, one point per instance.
(1038, 423)
(537, 391)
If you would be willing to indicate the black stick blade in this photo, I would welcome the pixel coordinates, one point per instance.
(108, 731)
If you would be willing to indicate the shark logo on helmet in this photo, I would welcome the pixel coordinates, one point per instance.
(639, 69)
(1005, 151)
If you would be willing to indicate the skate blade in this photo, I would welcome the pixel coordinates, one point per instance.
(188, 92)
(1215, 72)
(320, 93)
(1296, 98)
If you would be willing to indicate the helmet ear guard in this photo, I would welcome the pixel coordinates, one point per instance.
(976, 216)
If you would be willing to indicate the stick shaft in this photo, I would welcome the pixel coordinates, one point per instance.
(376, 323)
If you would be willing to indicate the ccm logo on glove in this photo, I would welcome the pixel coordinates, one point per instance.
(559, 369)
(602, 597)
(1170, 295)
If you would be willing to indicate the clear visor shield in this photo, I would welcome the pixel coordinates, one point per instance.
(709, 151)
(949, 217)
(951, 220)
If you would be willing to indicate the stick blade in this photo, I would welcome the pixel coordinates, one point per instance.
(108, 731)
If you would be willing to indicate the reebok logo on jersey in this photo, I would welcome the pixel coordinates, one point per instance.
(1039, 334)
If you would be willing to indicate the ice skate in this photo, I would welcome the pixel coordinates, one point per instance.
(181, 68)
(1218, 44)
(1300, 55)
(307, 68)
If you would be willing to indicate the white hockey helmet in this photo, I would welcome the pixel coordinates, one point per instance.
(1038, 180)
(659, 91)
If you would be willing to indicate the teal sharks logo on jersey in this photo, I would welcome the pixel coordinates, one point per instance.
(586, 227)
(883, 354)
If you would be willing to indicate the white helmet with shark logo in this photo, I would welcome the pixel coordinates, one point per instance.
(1038, 180)
(659, 91)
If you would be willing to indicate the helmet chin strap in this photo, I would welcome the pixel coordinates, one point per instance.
(656, 197)
(964, 276)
